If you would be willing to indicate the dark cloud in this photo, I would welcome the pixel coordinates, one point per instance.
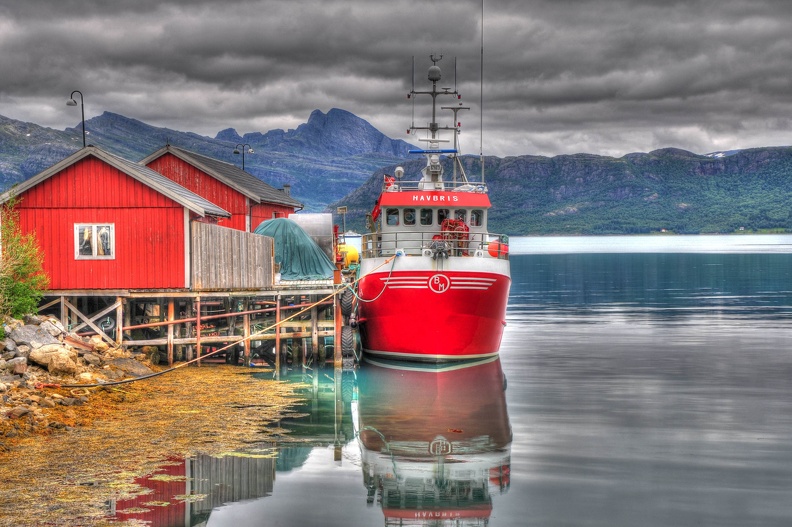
(561, 76)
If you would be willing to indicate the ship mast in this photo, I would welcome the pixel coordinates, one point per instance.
(433, 172)
(455, 156)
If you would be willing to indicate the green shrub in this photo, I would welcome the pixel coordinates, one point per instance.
(22, 278)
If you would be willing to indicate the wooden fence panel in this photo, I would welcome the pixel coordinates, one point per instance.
(226, 259)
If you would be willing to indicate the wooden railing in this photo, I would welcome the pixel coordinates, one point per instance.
(417, 243)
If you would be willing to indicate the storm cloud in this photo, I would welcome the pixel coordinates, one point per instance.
(606, 77)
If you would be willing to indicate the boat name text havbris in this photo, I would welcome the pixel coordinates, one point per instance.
(435, 198)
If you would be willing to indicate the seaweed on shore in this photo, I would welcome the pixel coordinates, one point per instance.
(123, 433)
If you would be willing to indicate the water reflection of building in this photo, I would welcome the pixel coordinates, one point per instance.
(435, 443)
(183, 493)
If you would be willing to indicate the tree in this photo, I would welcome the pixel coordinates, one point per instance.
(22, 277)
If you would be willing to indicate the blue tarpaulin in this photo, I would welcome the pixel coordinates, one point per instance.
(298, 256)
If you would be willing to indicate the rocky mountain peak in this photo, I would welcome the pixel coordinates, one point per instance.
(230, 135)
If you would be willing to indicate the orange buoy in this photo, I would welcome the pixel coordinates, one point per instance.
(496, 249)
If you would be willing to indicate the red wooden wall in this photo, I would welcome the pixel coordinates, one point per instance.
(149, 229)
(205, 186)
(266, 211)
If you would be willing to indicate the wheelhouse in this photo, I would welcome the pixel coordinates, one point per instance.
(417, 222)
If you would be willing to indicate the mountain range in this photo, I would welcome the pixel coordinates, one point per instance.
(339, 159)
(323, 159)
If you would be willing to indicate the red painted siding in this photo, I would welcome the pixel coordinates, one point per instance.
(266, 211)
(149, 229)
(205, 186)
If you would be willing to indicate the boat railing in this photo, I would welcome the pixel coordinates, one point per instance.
(453, 186)
(412, 243)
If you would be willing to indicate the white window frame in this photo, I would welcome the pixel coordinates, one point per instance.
(96, 230)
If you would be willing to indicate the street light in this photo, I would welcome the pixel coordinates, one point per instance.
(237, 151)
(72, 102)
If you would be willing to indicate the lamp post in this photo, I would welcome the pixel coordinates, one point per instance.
(237, 151)
(72, 102)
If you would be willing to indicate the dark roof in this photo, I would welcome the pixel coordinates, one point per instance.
(231, 175)
(140, 172)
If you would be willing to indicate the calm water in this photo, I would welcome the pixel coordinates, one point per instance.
(642, 387)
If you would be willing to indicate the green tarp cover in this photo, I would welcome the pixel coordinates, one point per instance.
(297, 254)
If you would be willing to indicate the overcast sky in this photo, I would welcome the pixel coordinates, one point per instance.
(605, 77)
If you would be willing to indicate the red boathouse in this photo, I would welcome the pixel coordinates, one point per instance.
(141, 260)
(249, 200)
(103, 222)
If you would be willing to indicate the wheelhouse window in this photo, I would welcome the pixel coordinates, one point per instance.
(409, 216)
(476, 216)
(426, 216)
(460, 214)
(94, 241)
(442, 214)
(392, 216)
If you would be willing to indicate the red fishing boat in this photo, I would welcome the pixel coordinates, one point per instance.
(435, 281)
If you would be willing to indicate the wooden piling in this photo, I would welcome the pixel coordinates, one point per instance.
(198, 328)
(246, 332)
(128, 316)
(230, 307)
(277, 334)
(170, 331)
(120, 322)
(189, 309)
(64, 312)
(315, 332)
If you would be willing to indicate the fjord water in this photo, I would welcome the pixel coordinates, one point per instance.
(651, 388)
(648, 382)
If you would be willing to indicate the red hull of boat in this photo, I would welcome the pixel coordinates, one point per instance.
(433, 316)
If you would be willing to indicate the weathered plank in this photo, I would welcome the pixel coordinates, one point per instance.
(227, 259)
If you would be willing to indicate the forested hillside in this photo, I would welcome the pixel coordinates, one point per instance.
(664, 190)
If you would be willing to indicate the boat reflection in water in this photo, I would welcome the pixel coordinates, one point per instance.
(435, 440)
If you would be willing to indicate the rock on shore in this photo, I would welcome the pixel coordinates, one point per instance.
(39, 351)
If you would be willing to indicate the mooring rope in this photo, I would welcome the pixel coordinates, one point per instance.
(384, 283)
(249, 337)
